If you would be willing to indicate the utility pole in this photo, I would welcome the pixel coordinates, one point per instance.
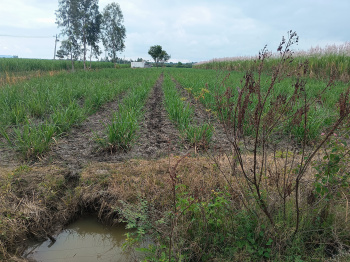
(54, 54)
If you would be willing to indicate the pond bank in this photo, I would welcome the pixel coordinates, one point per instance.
(38, 201)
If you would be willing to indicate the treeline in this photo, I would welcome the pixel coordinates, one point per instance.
(179, 65)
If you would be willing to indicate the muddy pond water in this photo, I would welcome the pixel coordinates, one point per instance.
(84, 240)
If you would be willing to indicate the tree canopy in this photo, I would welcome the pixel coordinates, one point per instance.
(113, 30)
(158, 54)
(66, 20)
(65, 50)
(83, 25)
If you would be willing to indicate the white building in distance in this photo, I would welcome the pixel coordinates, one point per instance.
(138, 64)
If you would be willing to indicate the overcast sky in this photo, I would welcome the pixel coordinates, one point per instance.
(189, 30)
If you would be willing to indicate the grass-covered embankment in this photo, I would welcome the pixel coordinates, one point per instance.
(35, 201)
(206, 220)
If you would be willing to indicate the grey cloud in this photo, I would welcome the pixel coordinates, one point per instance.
(194, 30)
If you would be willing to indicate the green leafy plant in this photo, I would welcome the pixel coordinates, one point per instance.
(333, 173)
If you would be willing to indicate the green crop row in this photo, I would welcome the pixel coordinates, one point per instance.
(121, 133)
(181, 113)
(34, 113)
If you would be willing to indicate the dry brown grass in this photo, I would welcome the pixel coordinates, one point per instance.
(36, 201)
(26, 196)
(150, 179)
(12, 78)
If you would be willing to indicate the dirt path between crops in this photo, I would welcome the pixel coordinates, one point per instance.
(157, 137)
(78, 148)
(8, 157)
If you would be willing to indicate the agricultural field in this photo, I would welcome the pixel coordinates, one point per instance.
(14, 70)
(212, 165)
(26, 65)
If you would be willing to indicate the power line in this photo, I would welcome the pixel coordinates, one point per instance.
(26, 36)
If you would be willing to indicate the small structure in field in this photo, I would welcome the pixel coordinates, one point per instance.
(138, 64)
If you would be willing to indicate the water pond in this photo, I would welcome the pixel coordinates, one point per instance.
(84, 240)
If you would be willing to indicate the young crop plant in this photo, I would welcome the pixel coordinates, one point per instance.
(199, 135)
(31, 140)
(121, 132)
(66, 117)
(181, 113)
(36, 113)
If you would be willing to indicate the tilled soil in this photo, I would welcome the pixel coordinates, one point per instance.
(157, 137)
(8, 157)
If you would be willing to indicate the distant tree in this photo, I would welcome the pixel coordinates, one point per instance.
(158, 54)
(94, 34)
(89, 21)
(155, 52)
(113, 30)
(179, 64)
(80, 21)
(66, 19)
(164, 57)
(65, 50)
